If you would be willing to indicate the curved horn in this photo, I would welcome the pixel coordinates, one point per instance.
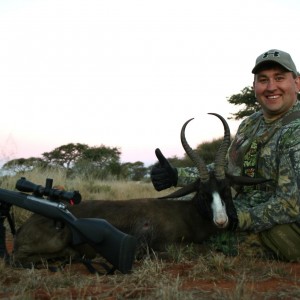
(196, 159)
(220, 159)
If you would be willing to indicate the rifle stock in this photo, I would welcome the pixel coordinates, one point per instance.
(115, 246)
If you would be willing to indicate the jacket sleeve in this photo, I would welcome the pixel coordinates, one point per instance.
(190, 174)
(186, 175)
(260, 210)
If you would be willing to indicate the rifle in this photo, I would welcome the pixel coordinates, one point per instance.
(114, 245)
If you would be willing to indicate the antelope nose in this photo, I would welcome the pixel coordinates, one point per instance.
(221, 223)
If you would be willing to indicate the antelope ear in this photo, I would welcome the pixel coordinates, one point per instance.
(245, 180)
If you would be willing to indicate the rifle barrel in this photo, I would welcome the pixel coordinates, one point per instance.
(47, 208)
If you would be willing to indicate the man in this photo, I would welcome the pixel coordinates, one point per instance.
(267, 144)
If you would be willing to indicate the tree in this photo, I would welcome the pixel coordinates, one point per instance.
(247, 99)
(65, 155)
(99, 162)
(24, 164)
(206, 150)
(134, 171)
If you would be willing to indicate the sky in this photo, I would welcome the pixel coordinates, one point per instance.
(128, 74)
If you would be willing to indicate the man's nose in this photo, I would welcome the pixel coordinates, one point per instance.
(271, 85)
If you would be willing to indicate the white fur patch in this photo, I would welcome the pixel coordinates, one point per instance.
(219, 211)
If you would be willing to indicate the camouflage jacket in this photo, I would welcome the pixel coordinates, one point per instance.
(269, 150)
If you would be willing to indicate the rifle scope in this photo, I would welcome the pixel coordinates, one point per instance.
(53, 194)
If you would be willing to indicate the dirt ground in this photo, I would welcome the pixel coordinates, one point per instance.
(159, 280)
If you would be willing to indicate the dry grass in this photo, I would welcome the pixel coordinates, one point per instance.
(186, 274)
(207, 277)
(90, 189)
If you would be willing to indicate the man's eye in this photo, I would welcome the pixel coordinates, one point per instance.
(262, 80)
(279, 78)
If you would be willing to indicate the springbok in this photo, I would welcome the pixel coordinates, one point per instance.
(155, 222)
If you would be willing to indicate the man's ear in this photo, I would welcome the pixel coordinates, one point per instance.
(297, 80)
(253, 86)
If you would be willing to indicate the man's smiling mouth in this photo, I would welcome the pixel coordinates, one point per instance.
(273, 97)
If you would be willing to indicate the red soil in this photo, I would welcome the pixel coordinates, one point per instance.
(107, 290)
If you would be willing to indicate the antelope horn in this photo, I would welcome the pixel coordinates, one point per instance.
(220, 159)
(186, 190)
(195, 158)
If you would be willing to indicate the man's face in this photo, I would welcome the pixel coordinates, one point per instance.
(276, 91)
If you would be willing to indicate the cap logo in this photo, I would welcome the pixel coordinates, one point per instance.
(275, 54)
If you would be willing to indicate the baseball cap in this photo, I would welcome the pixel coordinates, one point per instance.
(280, 57)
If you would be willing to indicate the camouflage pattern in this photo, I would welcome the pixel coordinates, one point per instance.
(269, 150)
(187, 175)
(283, 240)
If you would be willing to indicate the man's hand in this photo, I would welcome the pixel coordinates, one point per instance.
(163, 175)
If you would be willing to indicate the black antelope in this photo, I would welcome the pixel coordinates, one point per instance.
(155, 222)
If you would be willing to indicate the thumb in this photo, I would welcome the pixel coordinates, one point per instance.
(162, 160)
